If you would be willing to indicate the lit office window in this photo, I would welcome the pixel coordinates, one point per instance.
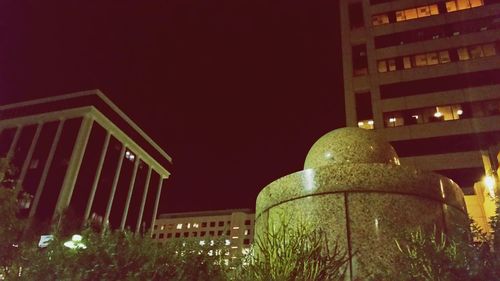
(366, 124)
(457, 5)
(391, 64)
(476, 52)
(380, 19)
(247, 232)
(444, 57)
(407, 62)
(195, 225)
(463, 54)
(420, 60)
(419, 12)
(382, 66)
(179, 226)
(432, 58)
(489, 50)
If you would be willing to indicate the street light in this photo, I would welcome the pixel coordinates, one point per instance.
(490, 183)
(75, 242)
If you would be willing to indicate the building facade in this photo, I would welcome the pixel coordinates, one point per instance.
(234, 226)
(80, 153)
(426, 74)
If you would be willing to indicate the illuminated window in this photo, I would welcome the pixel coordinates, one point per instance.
(366, 124)
(463, 54)
(476, 3)
(162, 227)
(434, 9)
(380, 19)
(392, 64)
(420, 60)
(188, 225)
(382, 66)
(444, 57)
(195, 225)
(394, 120)
(400, 16)
(463, 4)
(432, 59)
(476, 52)
(424, 11)
(247, 232)
(489, 50)
(457, 5)
(451, 6)
(407, 62)
(411, 14)
(179, 226)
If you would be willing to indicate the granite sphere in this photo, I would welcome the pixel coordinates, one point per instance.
(350, 145)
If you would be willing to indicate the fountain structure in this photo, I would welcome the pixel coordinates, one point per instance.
(354, 188)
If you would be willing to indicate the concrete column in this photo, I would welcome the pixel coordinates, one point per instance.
(13, 144)
(143, 202)
(157, 201)
(129, 195)
(113, 187)
(27, 161)
(97, 176)
(74, 165)
(46, 168)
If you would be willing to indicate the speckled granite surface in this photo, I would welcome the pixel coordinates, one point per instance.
(384, 200)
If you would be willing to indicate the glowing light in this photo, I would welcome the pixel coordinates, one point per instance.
(415, 116)
(490, 183)
(179, 226)
(460, 112)
(202, 243)
(75, 242)
(228, 242)
(438, 113)
(360, 123)
(370, 122)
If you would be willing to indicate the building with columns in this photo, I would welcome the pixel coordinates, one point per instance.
(425, 74)
(79, 152)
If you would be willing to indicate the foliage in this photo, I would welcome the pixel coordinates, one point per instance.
(118, 256)
(437, 257)
(286, 253)
(10, 225)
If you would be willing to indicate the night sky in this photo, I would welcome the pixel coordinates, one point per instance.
(235, 91)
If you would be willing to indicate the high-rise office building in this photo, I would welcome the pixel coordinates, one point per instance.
(426, 74)
(80, 153)
(234, 226)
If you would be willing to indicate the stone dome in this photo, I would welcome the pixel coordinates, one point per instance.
(350, 145)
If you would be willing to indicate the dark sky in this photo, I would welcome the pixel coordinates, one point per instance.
(236, 91)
